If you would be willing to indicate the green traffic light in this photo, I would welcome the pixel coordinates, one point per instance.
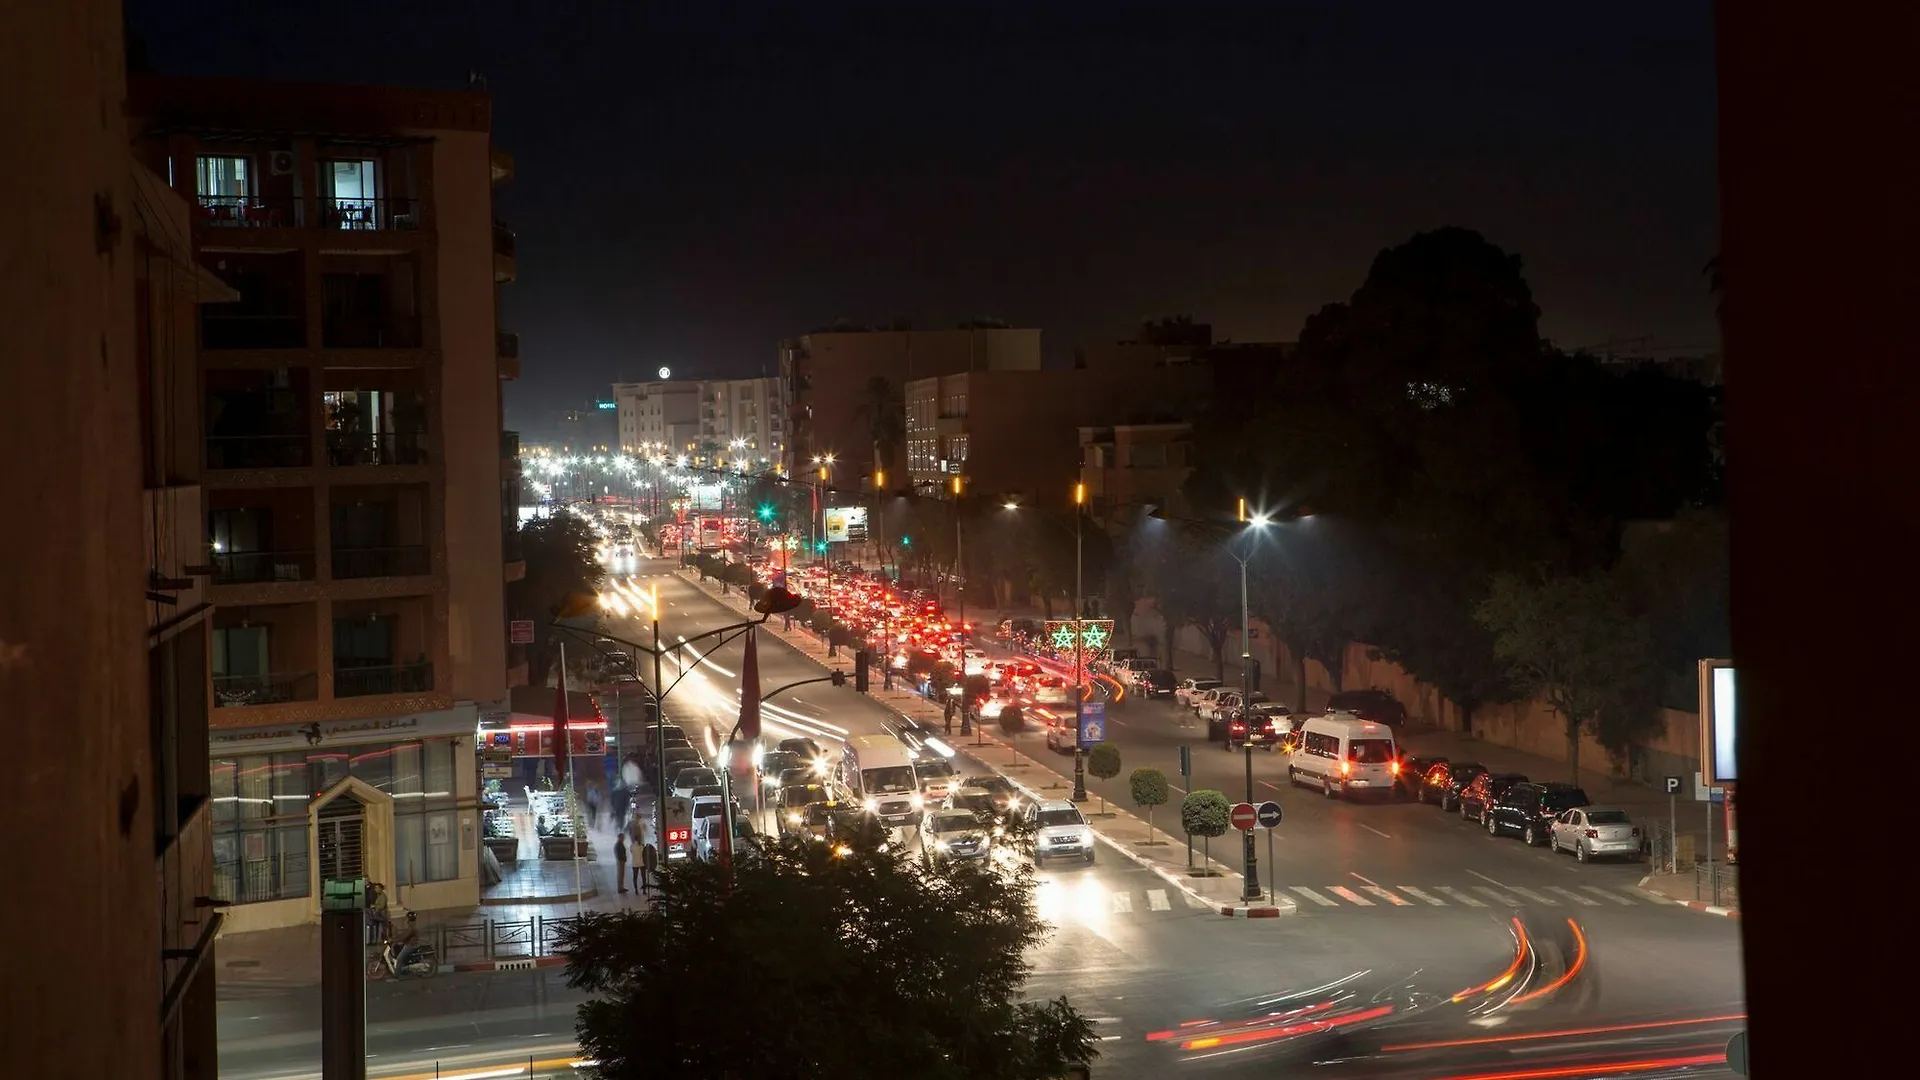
(766, 512)
(906, 541)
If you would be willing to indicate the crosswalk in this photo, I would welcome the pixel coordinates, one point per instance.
(1063, 902)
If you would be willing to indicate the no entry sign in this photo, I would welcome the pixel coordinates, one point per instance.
(1243, 816)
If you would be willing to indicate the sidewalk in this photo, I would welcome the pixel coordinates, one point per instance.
(1698, 889)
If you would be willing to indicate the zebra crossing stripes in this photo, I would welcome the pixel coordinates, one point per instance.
(1388, 895)
(1122, 903)
(1573, 896)
(1424, 898)
(1302, 890)
(1459, 896)
(1598, 891)
(1349, 895)
(1157, 900)
(1484, 897)
(1534, 896)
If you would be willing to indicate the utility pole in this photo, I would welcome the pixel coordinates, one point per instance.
(1250, 884)
(1079, 652)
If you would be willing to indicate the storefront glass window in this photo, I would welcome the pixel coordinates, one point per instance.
(423, 812)
(374, 766)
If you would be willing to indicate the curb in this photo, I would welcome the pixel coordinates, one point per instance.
(1250, 912)
(1690, 905)
(522, 964)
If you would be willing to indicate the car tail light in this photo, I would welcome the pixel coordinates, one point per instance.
(1394, 768)
(1593, 834)
(1346, 768)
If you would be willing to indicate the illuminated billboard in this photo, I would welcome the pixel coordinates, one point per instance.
(1719, 722)
(846, 524)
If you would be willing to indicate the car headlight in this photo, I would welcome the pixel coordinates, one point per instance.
(1013, 803)
(842, 851)
(871, 805)
(940, 845)
(919, 801)
(795, 819)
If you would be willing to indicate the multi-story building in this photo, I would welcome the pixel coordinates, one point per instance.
(352, 425)
(660, 416)
(1131, 468)
(844, 391)
(592, 430)
(741, 420)
(103, 608)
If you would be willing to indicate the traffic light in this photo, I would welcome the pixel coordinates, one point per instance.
(861, 678)
(1186, 761)
(820, 545)
(765, 512)
(906, 541)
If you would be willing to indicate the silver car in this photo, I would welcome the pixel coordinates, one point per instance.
(956, 836)
(1593, 832)
(1059, 831)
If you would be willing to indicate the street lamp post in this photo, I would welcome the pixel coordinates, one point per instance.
(1079, 653)
(960, 569)
(1250, 882)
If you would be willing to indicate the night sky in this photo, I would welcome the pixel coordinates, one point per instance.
(698, 180)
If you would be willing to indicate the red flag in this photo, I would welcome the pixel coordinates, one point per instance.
(560, 735)
(750, 689)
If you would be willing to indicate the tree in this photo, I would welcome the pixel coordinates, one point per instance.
(882, 409)
(1675, 576)
(1149, 788)
(1204, 813)
(1572, 641)
(1103, 761)
(562, 557)
(1193, 583)
(801, 949)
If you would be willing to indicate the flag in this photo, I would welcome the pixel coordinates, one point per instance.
(560, 735)
(750, 689)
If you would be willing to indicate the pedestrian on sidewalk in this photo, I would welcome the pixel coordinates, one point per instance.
(644, 871)
(620, 860)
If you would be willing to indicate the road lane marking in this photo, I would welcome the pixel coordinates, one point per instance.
(1424, 898)
(1571, 895)
(1157, 900)
(1362, 879)
(1534, 896)
(1122, 905)
(1349, 895)
(1498, 897)
(1389, 896)
(1313, 896)
(1376, 832)
(1598, 891)
(1460, 896)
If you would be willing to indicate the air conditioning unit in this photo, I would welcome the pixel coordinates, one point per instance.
(280, 163)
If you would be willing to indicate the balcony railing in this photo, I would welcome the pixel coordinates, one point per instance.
(258, 452)
(250, 567)
(346, 449)
(248, 211)
(397, 679)
(219, 330)
(391, 332)
(504, 240)
(271, 689)
(355, 215)
(403, 561)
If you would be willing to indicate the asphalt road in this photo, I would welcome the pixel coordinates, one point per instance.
(1387, 896)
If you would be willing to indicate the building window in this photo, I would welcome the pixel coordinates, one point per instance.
(222, 178)
(1147, 456)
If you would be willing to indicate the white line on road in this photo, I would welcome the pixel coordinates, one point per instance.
(1485, 878)
(1349, 895)
(1122, 905)
(1389, 896)
(1105, 1020)
(1422, 897)
(1376, 832)
(1498, 897)
(1460, 896)
(1597, 890)
(1363, 880)
(1534, 896)
(1314, 896)
(1571, 895)
(1157, 900)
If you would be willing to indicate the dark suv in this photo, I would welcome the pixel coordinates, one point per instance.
(1529, 809)
(1378, 706)
(1479, 796)
(1445, 782)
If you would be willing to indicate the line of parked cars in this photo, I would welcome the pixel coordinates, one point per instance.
(1557, 815)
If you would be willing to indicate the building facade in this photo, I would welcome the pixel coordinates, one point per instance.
(844, 391)
(659, 417)
(1130, 469)
(592, 430)
(741, 419)
(352, 425)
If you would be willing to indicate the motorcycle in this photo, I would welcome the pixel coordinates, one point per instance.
(423, 964)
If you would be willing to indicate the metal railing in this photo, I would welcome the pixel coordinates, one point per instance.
(388, 332)
(345, 449)
(226, 330)
(259, 452)
(402, 561)
(273, 688)
(249, 211)
(394, 679)
(1717, 884)
(357, 214)
(249, 567)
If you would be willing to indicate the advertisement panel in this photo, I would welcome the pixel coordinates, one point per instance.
(846, 524)
(1719, 721)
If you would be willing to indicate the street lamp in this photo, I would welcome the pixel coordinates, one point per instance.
(959, 559)
(1079, 653)
(1250, 884)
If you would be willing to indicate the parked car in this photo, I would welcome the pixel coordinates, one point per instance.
(1530, 809)
(1158, 683)
(1591, 832)
(1378, 706)
(1190, 689)
(688, 779)
(1413, 774)
(1478, 796)
(1445, 780)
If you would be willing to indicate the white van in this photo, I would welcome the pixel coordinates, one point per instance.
(1342, 754)
(879, 769)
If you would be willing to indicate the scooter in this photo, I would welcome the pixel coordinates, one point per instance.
(423, 964)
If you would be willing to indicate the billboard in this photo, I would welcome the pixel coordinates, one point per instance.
(846, 524)
(1719, 722)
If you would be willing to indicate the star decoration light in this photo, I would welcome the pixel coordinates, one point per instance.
(1063, 636)
(1093, 636)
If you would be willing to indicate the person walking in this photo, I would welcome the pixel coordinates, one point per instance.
(643, 871)
(620, 860)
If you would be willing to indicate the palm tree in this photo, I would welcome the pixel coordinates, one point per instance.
(885, 415)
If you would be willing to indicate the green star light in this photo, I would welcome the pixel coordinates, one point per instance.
(1063, 636)
(1094, 636)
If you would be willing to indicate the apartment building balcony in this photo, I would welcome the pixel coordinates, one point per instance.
(249, 212)
(347, 449)
(369, 215)
(370, 332)
(382, 646)
(242, 330)
(505, 243)
(257, 419)
(264, 654)
(402, 560)
(261, 535)
(259, 452)
(506, 349)
(365, 681)
(379, 531)
(502, 166)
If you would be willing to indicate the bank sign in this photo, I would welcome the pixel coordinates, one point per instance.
(459, 720)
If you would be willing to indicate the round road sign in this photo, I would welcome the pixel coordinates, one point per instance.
(1269, 815)
(1243, 816)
